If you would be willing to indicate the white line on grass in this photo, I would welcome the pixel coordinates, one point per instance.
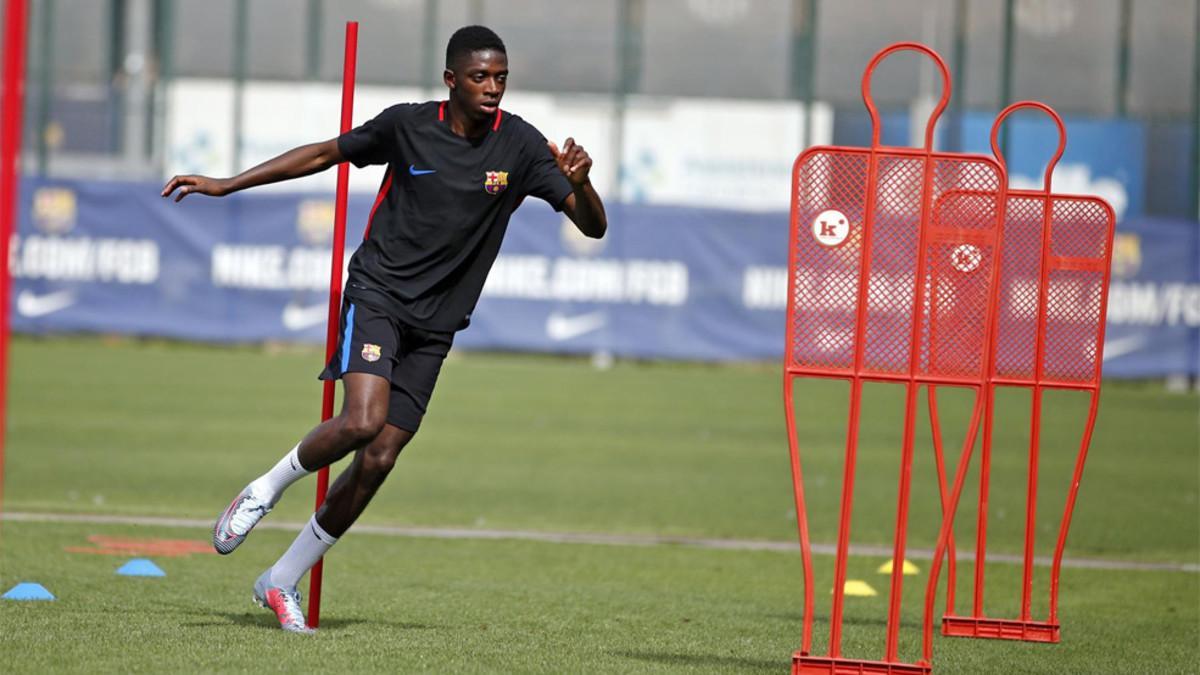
(606, 539)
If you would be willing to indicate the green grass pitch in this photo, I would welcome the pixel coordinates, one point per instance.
(544, 444)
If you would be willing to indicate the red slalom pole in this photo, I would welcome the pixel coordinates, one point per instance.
(335, 294)
(10, 152)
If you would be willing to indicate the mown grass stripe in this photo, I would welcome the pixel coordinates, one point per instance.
(600, 538)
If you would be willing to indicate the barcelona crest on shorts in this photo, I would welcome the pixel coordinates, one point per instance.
(371, 353)
(495, 182)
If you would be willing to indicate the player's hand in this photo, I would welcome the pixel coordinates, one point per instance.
(573, 160)
(186, 185)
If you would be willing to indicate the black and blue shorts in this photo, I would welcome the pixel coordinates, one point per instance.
(371, 341)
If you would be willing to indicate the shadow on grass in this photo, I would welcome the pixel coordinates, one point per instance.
(711, 660)
(265, 621)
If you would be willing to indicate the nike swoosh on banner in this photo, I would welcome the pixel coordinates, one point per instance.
(560, 327)
(32, 305)
(1114, 349)
(299, 317)
(412, 169)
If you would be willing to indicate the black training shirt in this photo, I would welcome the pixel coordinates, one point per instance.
(442, 209)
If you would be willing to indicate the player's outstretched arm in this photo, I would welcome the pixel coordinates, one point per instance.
(297, 162)
(583, 205)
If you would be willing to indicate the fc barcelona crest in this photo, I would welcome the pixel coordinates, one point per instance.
(371, 353)
(495, 182)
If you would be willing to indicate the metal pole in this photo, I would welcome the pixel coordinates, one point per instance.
(312, 52)
(136, 92)
(117, 39)
(164, 57)
(429, 53)
(335, 294)
(164, 37)
(45, 83)
(10, 152)
(804, 57)
(1006, 65)
(240, 19)
(1124, 37)
(958, 61)
(630, 15)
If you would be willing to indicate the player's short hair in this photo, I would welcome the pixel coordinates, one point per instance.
(470, 39)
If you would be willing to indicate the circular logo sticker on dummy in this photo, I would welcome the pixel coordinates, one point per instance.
(966, 257)
(831, 228)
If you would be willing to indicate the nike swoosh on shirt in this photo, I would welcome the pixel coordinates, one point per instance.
(298, 317)
(412, 169)
(32, 305)
(560, 327)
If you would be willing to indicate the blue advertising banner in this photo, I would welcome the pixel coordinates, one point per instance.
(1154, 299)
(116, 257)
(666, 282)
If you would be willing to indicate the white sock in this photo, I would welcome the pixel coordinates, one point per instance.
(310, 545)
(270, 485)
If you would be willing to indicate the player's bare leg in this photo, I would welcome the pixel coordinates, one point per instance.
(276, 588)
(355, 487)
(364, 410)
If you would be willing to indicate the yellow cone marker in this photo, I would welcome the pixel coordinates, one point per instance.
(859, 588)
(907, 569)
